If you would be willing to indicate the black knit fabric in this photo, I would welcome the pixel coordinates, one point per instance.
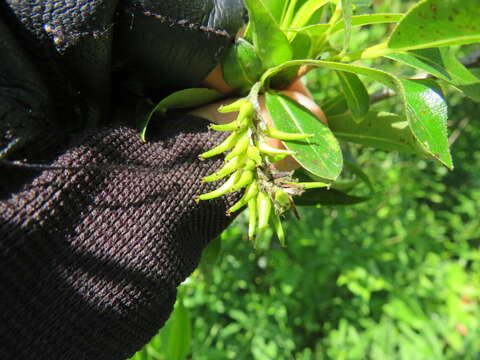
(90, 257)
(93, 248)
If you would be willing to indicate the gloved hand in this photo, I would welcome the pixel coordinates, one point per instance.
(93, 248)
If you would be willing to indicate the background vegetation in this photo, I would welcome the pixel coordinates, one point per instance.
(395, 277)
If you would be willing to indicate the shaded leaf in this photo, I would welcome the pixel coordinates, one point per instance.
(355, 93)
(183, 99)
(320, 154)
(176, 334)
(242, 67)
(434, 23)
(378, 130)
(440, 63)
(347, 11)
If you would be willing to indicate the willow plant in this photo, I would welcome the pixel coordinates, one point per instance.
(285, 39)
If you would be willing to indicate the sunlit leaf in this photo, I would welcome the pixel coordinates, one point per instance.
(433, 23)
(320, 154)
(428, 126)
(270, 42)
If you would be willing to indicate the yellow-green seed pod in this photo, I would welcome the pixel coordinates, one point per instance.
(267, 149)
(245, 179)
(252, 218)
(240, 148)
(281, 135)
(254, 154)
(277, 226)
(249, 165)
(222, 190)
(250, 192)
(282, 198)
(276, 158)
(309, 185)
(264, 208)
(246, 111)
(234, 106)
(227, 169)
(225, 145)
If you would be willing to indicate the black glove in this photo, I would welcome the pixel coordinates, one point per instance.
(92, 249)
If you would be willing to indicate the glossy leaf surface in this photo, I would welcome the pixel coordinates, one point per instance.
(428, 114)
(434, 23)
(355, 93)
(425, 124)
(320, 154)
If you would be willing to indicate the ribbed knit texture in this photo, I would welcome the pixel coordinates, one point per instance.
(90, 256)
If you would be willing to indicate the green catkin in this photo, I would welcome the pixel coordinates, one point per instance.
(246, 163)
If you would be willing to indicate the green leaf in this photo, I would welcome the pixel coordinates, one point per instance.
(183, 99)
(320, 154)
(428, 115)
(358, 20)
(270, 42)
(242, 67)
(440, 63)
(382, 131)
(277, 8)
(306, 11)
(177, 332)
(428, 126)
(434, 23)
(355, 93)
(347, 11)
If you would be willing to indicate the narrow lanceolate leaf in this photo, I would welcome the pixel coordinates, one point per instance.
(306, 11)
(319, 154)
(434, 23)
(347, 20)
(382, 131)
(270, 42)
(440, 63)
(176, 334)
(425, 124)
(428, 115)
(358, 20)
(183, 99)
(355, 93)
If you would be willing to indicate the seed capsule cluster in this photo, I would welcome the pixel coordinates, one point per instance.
(249, 165)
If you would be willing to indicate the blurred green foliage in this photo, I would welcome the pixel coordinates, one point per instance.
(396, 277)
